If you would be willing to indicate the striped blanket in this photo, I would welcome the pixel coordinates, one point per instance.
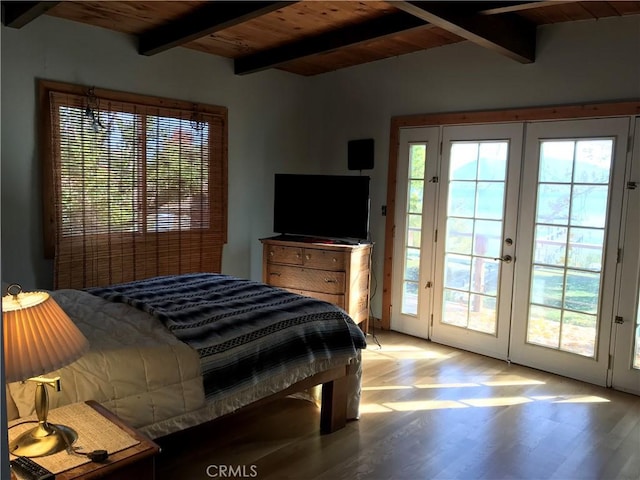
(244, 331)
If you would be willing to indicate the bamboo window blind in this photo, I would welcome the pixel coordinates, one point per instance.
(138, 187)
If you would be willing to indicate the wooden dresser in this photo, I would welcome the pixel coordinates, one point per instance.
(333, 272)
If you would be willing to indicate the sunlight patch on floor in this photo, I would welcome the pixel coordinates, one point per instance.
(403, 355)
(496, 401)
(543, 398)
(387, 387)
(419, 405)
(582, 399)
(373, 408)
(447, 385)
(403, 352)
(514, 382)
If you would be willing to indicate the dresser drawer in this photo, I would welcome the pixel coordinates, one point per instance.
(288, 255)
(306, 279)
(337, 300)
(324, 259)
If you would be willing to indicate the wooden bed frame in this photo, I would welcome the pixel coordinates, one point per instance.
(333, 410)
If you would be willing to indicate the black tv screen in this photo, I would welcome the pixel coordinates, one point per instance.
(326, 206)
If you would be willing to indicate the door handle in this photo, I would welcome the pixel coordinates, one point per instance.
(505, 259)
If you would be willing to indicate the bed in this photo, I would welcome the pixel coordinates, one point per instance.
(172, 352)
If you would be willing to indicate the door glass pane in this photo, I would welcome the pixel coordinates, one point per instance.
(487, 238)
(571, 213)
(477, 180)
(416, 188)
(464, 161)
(544, 326)
(556, 162)
(586, 248)
(461, 233)
(550, 245)
(462, 198)
(413, 228)
(553, 204)
(489, 200)
(482, 307)
(492, 162)
(547, 286)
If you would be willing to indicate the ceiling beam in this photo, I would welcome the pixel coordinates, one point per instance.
(377, 28)
(205, 20)
(509, 7)
(18, 14)
(507, 34)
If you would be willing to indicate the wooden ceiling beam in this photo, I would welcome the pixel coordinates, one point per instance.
(205, 20)
(374, 29)
(506, 33)
(18, 14)
(510, 7)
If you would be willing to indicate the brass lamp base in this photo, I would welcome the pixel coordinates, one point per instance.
(39, 441)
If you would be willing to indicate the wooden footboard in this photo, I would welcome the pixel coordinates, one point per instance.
(333, 411)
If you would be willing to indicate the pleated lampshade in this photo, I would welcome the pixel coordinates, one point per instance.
(39, 337)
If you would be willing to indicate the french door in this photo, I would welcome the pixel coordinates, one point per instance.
(416, 210)
(512, 249)
(569, 227)
(476, 237)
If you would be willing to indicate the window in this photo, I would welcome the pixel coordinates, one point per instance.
(135, 186)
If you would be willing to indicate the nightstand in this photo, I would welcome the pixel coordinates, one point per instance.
(136, 460)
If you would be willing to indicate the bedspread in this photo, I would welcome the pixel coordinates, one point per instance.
(244, 331)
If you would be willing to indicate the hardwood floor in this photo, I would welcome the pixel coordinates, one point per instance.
(427, 412)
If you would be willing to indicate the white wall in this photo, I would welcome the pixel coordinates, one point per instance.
(580, 62)
(267, 129)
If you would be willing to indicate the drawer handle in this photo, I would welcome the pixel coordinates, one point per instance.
(330, 280)
(297, 255)
(271, 254)
(334, 259)
(275, 274)
(308, 257)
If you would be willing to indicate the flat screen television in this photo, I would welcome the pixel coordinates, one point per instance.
(333, 207)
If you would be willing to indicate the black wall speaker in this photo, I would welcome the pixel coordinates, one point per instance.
(360, 154)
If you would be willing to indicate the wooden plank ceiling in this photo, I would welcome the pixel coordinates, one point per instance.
(311, 37)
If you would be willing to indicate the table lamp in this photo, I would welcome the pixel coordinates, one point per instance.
(39, 337)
